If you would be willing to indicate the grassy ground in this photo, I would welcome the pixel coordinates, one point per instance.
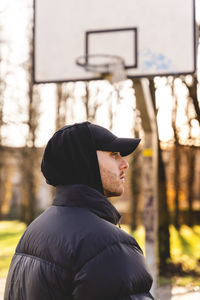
(185, 253)
(10, 233)
(185, 248)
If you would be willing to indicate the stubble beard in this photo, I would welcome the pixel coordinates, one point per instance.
(111, 184)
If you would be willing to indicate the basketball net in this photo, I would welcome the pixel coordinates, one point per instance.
(116, 73)
(109, 67)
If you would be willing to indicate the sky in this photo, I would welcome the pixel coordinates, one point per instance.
(14, 20)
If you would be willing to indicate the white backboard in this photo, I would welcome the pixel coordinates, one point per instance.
(154, 37)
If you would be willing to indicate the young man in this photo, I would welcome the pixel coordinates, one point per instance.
(74, 250)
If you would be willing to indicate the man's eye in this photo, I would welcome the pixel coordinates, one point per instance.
(115, 154)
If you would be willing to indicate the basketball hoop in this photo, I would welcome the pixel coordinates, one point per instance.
(110, 67)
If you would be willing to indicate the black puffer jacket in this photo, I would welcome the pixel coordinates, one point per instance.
(74, 250)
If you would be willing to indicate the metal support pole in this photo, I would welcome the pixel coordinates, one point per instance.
(150, 183)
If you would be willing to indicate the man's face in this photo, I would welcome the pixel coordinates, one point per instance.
(112, 169)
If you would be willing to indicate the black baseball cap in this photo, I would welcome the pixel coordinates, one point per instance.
(106, 141)
(70, 154)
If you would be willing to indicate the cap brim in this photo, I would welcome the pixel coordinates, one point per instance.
(123, 145)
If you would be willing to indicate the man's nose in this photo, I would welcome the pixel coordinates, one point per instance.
(124, 164)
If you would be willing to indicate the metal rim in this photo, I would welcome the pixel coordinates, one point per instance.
(83, 61)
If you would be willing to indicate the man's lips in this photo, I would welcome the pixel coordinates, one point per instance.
(122, 177)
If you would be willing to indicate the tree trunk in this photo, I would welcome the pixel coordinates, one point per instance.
(176, 157)
(191, 172)
(193, 93)
(163, 212)
(163, 217)
(176, 184)
(91, 104)
(61, 100)
(29, 166)
(2, 179)
(86, 100)
(136, 175)
(30, 155)
(2, 87)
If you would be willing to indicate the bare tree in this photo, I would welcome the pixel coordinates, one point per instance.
(62, 95)
(136, 175)
(192, 85)
(191, 113)
(29, 163)
(2, 160)
(91, 103)
(111, 112)
(1, 146)
(2, 191)
(29, 152)
(177, 156)
(191, 157)
(163, 212)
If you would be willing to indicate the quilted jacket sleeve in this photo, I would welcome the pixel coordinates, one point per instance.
(115, 273)
(31, 278)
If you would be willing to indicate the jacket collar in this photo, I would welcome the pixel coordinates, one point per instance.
(79, 195)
